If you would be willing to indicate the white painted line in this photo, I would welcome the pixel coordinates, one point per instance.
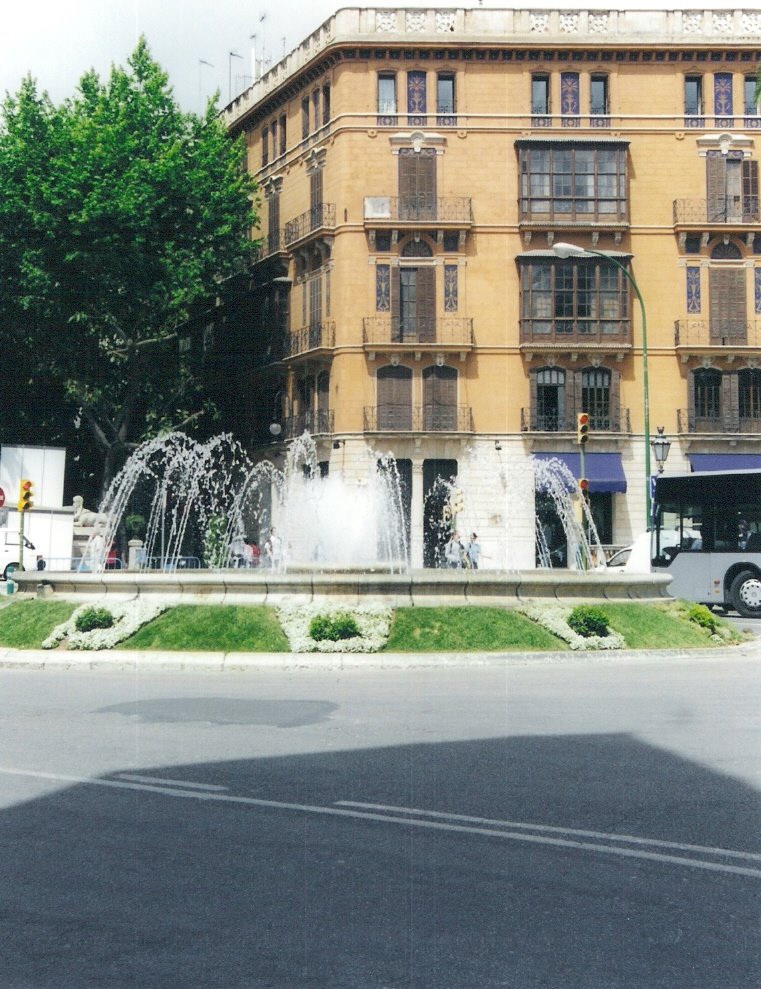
(409, 822)
(134, 778)
(604, 835)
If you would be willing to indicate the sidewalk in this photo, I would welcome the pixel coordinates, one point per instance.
(115, 659)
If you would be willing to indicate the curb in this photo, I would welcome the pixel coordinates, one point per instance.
(114, 659)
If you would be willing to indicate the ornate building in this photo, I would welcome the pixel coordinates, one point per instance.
(417, 170)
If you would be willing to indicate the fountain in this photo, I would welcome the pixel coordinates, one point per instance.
(345, 538)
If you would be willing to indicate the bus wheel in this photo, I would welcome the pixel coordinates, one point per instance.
(746, 594)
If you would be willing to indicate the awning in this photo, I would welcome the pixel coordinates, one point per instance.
(604, 470)
(701, 462)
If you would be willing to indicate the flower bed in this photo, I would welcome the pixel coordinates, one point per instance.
(129, 616)
(374, 623)
(555, 619)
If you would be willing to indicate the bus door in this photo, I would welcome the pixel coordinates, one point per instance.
(678, 549)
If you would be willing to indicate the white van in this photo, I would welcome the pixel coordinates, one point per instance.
(9, 553)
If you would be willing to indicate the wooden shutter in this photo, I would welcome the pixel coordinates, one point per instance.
(273, 223)
(394, 398)
(730, 402)
(727, 304)
(750, 191)
(716, 186)
(417, 184)
(426, 305)
(440, 398)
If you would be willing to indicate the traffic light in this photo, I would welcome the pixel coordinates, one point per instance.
(25, 495)
(582, 428)
(584, 487)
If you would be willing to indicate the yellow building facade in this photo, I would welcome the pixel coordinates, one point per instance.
(418, 168)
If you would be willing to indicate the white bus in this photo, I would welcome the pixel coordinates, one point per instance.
(707, 536)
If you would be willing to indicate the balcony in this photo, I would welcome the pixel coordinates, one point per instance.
(716, 215)
(272, 244)
(696, 337)
(319, 423)
(418, 419)
(390, 333)
(615, 421)
(435, 214)
(313, 340)
(545, 336)
(730, 422)
(317, 220)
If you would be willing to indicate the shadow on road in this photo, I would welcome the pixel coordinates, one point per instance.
(190, 883)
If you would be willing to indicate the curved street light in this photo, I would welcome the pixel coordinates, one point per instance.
(574, 251)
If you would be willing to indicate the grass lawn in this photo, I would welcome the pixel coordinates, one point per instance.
(658, 626)
(467, 630)
(24, 624)
(212, 628)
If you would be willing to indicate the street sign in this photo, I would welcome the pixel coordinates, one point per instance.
(2, 497)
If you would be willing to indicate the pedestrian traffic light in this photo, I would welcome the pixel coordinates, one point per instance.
(25, 495)
(582, 428)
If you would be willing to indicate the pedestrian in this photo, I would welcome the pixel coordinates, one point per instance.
(274, 550)
(473, 551)
(255, 553)
(453, 552)
(41, 562)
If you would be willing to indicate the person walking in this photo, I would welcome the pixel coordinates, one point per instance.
(274, 550)
(473, 552)
(453, 552)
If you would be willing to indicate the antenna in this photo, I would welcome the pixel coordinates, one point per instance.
(201, 63)
(230, 56)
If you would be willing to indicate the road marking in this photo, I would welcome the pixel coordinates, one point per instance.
(432, 825)
(605, 835)
(134, 778)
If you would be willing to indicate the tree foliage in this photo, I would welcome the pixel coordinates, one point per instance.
(118, 212)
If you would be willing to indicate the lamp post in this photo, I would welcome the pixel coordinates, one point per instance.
(572, 250)
(661, 446)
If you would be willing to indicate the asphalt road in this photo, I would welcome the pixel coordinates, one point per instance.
(554, 826)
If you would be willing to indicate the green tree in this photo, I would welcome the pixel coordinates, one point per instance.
(118, 213)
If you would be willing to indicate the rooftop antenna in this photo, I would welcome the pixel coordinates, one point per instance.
(201, 63)
(230, 56)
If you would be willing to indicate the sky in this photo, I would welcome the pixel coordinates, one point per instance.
(197, 42)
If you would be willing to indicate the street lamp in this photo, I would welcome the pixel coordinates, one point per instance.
(661, 446)
(572, 250)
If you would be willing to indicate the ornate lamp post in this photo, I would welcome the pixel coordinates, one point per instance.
(661, 446)
(572, 250)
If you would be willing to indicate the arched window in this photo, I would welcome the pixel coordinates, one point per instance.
(727, 294)
(750, 394)
(439, 398)
(707, 393)
(413, 296)
(549, 406)
(394, 397)
(595, 396)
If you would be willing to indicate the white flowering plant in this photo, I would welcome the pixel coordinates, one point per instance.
(128, 617)
(555, 619)
(374, 623)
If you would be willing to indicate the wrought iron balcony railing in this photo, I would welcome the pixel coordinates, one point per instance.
(716, 333)
(608, 421)
(717, 421)
(318, 336)
(722, 209)
(381, 330)
(319, 423)
(418, 419)
(320, 217)
(418, 209)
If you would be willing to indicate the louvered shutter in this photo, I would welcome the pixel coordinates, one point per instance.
(440, 398)
(727, 304)
(417, 184)
(716, 186)
(426, 305)
(394, 398)
(730, 402)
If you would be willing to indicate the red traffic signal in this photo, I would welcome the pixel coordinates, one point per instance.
(25, 495)
(584, 485)
(582, 428)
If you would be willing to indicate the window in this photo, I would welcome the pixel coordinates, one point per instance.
(273, 223)
(731, 187)
(750, 106)
(727, 294)
(445, 100)
(394, 397)
(316, 109)
(265, 146)
(598, 101)
(707, 391)
(273, 134)
(387, 100)
(550, 399)
(305, 117)
(540, 99)
(750, 394)
(575, 182)
(283, 135)
(417, 184)
(693, 101)
(413, 297)
(595, 396)
(439, 398)
(326, 104)
(580, 299)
